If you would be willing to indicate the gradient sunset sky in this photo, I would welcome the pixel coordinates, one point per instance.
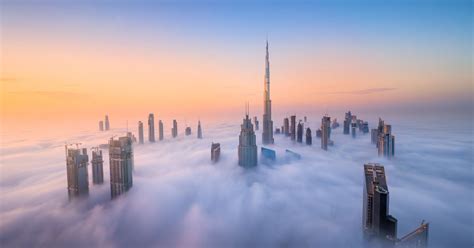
(191, 58)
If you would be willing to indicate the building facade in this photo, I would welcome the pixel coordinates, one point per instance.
(151, 127)
(325, 132)
(247, 150)
(140, 132)
(77, 172)
(121, 165)
(97, 166)
(267, 132)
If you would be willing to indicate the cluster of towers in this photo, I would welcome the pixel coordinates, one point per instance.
(104, 126)
(379, 227)
(383, 139)
(352, 124)
(151, 130)
(120, 161)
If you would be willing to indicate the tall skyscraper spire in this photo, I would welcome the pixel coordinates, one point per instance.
(267, 133)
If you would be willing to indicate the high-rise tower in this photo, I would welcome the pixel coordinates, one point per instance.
(199, 130)
(121, 165)
(267, 132)
(160, 130)
(77, 176)
(140, 132)
(247, 144)
(97, 166)
(151, 127)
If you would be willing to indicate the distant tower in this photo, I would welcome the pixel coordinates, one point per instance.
(107, 124)
(215, 152)
(325, 131)
(377, 224)
(347, 122)
(97, 166)
(286, 126)
(199, 135)
(247, 144)
(174, 130)
(299, 132)
(353, 128)
(121, 165)
(160, 130)
(255, 120)
(386, 142)
(267, 133)
(151, 127)
(140, 132)
(293, 127)
(187, 131)
(101, 125)
(77, 175)
(309, 139)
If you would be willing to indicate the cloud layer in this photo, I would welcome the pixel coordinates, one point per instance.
(180, 198)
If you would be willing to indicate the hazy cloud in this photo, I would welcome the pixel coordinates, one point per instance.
(180, 198)
(360, 92)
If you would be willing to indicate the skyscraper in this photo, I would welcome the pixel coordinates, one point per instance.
(187, 131)
(386, 142)
(174, 129)
(353, 128)
(247, 144)
(286, 127)
(299, 132)
(107, 124)
(101, 125)
(325, 131)
(121, 165)
(347, 122)
(77, 175)
(97, 166)
(140, 132)
(215, 152)
(160, 130)
(378, 226)
(293, 127)
(309, 138)
(267, 132)
(199, 135)
(151, 127)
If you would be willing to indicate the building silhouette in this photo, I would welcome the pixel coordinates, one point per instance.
(187, 131)
(293, 127)
(121, 165)
(334, 124)
(151, 127)
(215, 152)
(255, 120)
(160, 130)
(309, 138)
(199, 134)
(347, 122)
(325, 132)
(267, 132)
(247, 149)
(174, 130)
(286, 126)
(353, 128)
(386, 142)
(140, 132)
(97, 166)
(107, 123)
(77, 172)
(101, 125)
(299, 133)
(379, 227)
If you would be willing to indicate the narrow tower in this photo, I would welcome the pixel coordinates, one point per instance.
(199, 134)
(267, 133)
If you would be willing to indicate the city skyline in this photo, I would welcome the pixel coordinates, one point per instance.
(195, 168)
(397, 73)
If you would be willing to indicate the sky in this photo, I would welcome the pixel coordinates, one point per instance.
(181, 199)
(78, 60)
